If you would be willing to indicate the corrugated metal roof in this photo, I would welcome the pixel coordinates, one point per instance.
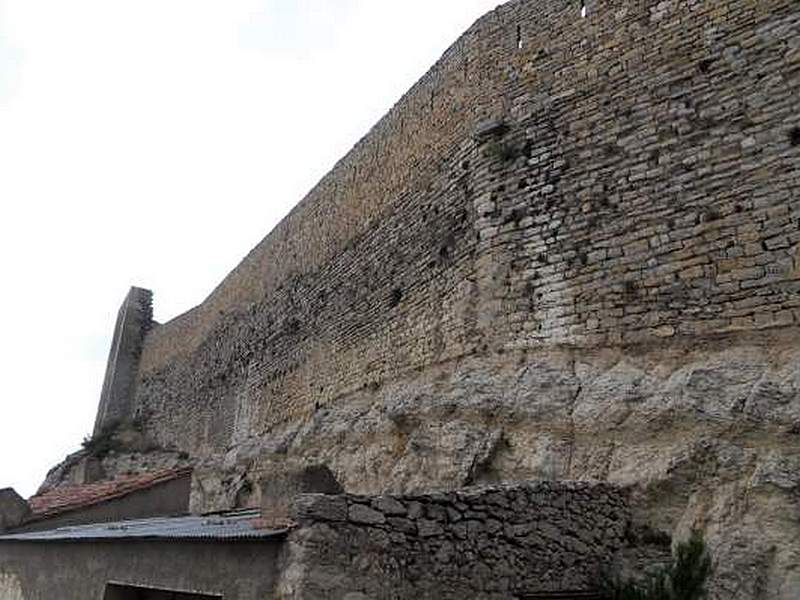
(243, 525)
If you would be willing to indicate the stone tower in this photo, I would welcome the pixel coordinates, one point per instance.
(134, 319)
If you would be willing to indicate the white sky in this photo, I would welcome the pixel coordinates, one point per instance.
(155, 142)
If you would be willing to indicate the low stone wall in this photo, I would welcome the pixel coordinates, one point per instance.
(475, 543)
(482, 543)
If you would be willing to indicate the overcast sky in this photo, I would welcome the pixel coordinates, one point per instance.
(154, 142)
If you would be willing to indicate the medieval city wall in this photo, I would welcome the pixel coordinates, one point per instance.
(553, 180)
(570, 251)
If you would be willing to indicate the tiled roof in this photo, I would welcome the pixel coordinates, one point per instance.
(241, 525)
(69, 497)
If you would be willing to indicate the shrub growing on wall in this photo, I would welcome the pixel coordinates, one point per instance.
(684, 579)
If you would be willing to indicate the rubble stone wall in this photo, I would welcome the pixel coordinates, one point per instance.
(485, 543)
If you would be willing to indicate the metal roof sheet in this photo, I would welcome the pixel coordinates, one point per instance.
(243, 525)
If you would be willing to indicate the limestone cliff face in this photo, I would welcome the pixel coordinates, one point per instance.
(707, 435)
(572, 250)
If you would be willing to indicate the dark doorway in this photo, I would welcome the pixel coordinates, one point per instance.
(129, 592)
(560, 596)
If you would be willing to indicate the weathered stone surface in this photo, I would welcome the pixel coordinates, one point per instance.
(427, 528)
(389, 506)
(703, 433)
(561, 545)
(607, 287)
(285, 480)
(13, 509)
(360, 513)
(10, 588)
(140, 457)
(319, 507)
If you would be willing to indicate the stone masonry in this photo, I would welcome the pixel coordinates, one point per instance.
(134, 320)
(637, 181)
(481, 543)
(570, 251)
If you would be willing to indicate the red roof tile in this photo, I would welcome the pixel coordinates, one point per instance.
(69, 497)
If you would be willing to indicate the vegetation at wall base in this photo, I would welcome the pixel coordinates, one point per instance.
(106, 440)
(102, 442)
(684, 579)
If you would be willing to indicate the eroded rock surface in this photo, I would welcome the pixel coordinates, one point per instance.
(706, 436)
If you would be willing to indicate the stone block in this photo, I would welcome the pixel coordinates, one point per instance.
(364, 515)
(389, 506)
(319, 507)
(14, 510)
(286, 481)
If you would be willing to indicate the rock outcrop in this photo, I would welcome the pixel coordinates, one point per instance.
(705, 435)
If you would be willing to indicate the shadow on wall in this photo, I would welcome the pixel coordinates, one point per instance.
(127, 592)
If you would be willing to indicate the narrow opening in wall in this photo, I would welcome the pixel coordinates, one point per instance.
(584, 10)
(519, 37)
(395, 297)
(794, 136)
(705, 65)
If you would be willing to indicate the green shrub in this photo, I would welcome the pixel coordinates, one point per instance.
(684, 579)
(691, 569)
(104, 441)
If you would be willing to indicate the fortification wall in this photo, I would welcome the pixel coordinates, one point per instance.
(570, 251)
(643, 185)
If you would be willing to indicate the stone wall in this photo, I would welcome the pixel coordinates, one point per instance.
(134, 320)
(483, 543)
(570, 251)
(478, 543)
(639, 183)
(706, 433)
